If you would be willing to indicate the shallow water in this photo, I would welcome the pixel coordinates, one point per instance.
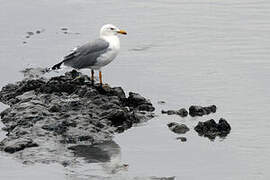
(187, 52)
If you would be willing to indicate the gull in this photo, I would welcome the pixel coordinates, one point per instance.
(96, 54)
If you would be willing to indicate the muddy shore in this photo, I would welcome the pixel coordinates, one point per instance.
(66, 111)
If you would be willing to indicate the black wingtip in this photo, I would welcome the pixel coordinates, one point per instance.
(57, 66)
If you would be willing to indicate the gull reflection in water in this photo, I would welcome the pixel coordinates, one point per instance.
(108, 154)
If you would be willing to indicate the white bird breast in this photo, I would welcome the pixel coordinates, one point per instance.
(108, 57)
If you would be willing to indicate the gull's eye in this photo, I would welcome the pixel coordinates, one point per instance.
(112, 28)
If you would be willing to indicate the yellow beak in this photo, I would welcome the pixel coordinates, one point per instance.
(122, 32)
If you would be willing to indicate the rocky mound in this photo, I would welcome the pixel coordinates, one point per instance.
(66, 109)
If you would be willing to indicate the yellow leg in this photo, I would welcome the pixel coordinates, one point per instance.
(92, 76)
(100, 78)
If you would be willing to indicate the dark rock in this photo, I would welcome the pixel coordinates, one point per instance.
(28, 163)
(65, 109)
(136, 101)
(223, 126)
(5, 112)
(181, 112)
(66, 163)
(161, 102)
(30, 85)
(57, 128)
(178, 128)
(118, 91)
(200, 111)
(64, 29)
(182, 139)
(211, 129)
(11, 91)
(55, 108)
(14, 145)
(146, 107)
(30, 33)
(169, 112)
(117, 117)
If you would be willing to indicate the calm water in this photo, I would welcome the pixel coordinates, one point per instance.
(182, 52)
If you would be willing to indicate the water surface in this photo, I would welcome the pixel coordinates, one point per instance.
(182, 52)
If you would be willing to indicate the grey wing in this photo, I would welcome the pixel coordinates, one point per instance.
(86, 56)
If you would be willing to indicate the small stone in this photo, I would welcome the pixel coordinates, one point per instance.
(161, 102)
(64, 29)
(182, 112)
(55, 108)
(28, 162)
(65, 163)
(178, 128)
(200, 111)
(169, 112)
(163, 111)
(182, 139)
(30, 33)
